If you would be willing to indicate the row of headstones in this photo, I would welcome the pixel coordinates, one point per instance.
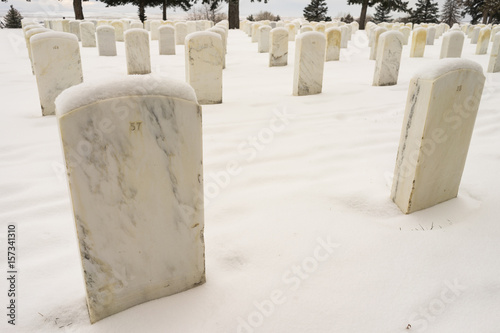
(148, 221)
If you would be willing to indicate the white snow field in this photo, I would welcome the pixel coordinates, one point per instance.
(300, 232)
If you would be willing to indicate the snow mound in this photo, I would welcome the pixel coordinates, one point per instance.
(54, 34)
(132, 85)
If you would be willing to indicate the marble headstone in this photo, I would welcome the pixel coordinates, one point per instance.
(441, 109)
(74, 28)
(278, 43)
(453, 44)
(154, 26)
(137, 51)
(118, 25)
(166, 41)
(431, 35)
(494, 64)
(180, 33)
(309, 64)
(221, 32)
(333, 39)
(418, 41)
(483, 41)
(390, 48)
(264, 32)
(106, 42)
(375, 35)
(87, 33)
(136, 186)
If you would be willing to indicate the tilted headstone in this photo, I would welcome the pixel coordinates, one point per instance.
(418, 41)
(204, 57)
(74, 28)
(431, 35)
(57, 64)
(333, 39)
(180, 33)
(440, 113)
(453, 44)
(154, 26)
(136, 186)
(137, 51)
(166, 41)
(118, 25)
(87, 33)
(278, 51)
(106, 42)
(494, 64)
(390, 48)
(264, 32)
(376, 35)
(483, 41)
(309, 64)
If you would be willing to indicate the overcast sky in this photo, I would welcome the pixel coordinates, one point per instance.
(285, 8)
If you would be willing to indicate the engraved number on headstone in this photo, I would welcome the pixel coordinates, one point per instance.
(135, 126)
(459, 88)
(56, 47)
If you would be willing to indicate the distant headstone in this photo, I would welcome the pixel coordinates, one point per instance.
(106, 42)
(309, 64)
(180, 33)
(154, 26)
(406, 31)
(137, 51)
(494, 64)
(418, 41)
(136, 186)
(74, 28)
(118, 25)
(333, 39)
(431, 35)
(278, 42)
(474, 35)
(483, 41)
(264, 32)
(375, 36)
(453, 43)
(390, 48)
(87, 33)
(166, 41)
(440, 113)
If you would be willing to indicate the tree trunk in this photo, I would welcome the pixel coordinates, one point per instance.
(234, 14)
(362, 17)
(165, 10)
(142, 12)
(77, 7)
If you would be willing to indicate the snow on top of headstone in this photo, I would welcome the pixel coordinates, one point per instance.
(136, 31)
(105, 27)
(202, 34)
(54, 34)
(131, 85)
(444, 66)
(311, 34)
(36, 31)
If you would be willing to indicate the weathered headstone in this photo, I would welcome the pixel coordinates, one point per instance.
(74, 28)
(30, 33)
(204, 57)
(453, 43)
(474, 35)
(376, 34)
(221, 32)
(483, 41)
(418, 41)
(87, 33)
(180, 33)
(137, 51)
(390, 48)
(431, 35)
(118, 25)
(264, 32)
(278, 53)
(106, 42)
(154, 26)
(166, 41)
(57, 64)
(406, 31)
(494, 64)
(440, 113)
(136, 186)
(333, 39)
(309, 64)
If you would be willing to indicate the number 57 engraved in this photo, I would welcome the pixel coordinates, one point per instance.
(135, 126)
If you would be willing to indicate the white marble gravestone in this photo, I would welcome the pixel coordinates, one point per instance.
(154, 26)
(390, 48)
(87, 33)
(221, 32)
(166, 41)
(494, 64)
(376, 35)
(30, 33)
(278, 47)
(106, 42)
(191, 27)
(344, 36)
(418, 41)
(74, 28)
(180, 33)
(136, 25)
(264, 32)
(333, 40)
(291, 31)
(494, 31)
(406, 34)
(310, 48)
(306, 28)
(431, 35)
(320, 27)
(204, 57)
(137, 51)
(255, 32)
(474, 35)
(136, 190)
(453, 44)
(441, 109)
(118, 25)
(57, 64)
(483, 41)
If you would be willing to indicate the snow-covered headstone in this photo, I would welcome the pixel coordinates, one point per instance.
(166, 41)
(474, 35)
(483, 41)
(106, 42)
(406, 31)
(118, 25)
(431, 35)
(136, 25)
(494, 64)
(137, 51)
(344, 36)
(306, 28)
(418, 41)
(453, 44)
(204, 60)
(264, 32)
(291, 31)
(333, 39)
(180, 33)
(136, 188)
(376, 35)
(74, 28)
(320, 27)
(154, 26)
(57, 64)
(441, 109)
(390, 48)
(278, 52)
(309, 64)
(87, 33)
(255, 32)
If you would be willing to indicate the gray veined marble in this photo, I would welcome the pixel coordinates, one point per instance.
(137, 51)
(390, 48)
(106, 42)
(310, 48)
(135, 172)
(278, 43)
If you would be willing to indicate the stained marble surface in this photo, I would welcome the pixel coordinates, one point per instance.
(310, 48)
(278, 43)
(333, 39)
(204, 59)
(119, 31)
(437, 128)
(418, 41)
(87, 32)
(57, 64)
(453, 44)
(483, 41)
(137, 51)
(390, 48)
(494, 63)
(106, 42)
(222, 33)
(137, 194)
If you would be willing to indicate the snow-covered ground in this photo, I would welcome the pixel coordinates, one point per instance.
(301, 236)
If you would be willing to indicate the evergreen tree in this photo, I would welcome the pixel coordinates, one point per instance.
(485, 11)
(278, 18)
(397, 5)
(347, 19)
(233, 10)
(451, 12)
(426, 11)
(142, 4)
(13, 18)
(250, 18)
(316, 11)
(382, 13)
